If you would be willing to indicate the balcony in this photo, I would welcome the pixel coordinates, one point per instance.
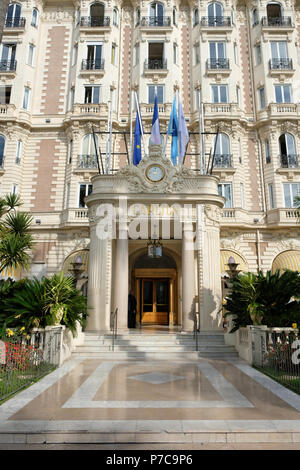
(281, 66)
(284, 22)
(155, 22)
(164, 110)
(94, 21)
(216, 22)
(280, 111)
(155, 66)
(222, 161)
(87, 162)
(216, 66)
(77, 216)
(289, 161)
(285, 216)
(16, 23)
(7, 111)
(88, 111)
(94, 66)
(8, 67)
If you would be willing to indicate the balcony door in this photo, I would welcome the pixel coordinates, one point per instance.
(274, 11)
(94, 56)
(97, 14)
(13, 15)
(217, 54)
(156, 14)
(155, 301)
(215, 14)
(156, 55)
(8, 57)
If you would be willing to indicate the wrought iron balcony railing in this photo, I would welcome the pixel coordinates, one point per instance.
(215, 21)
(289, 161)
(217, 64)
(222, 161)
(87, 162)
(92, 64)
(95, 21)
(8, 65)
(16, 22)
(282, 21)
(155, 64)
(156, 21)
(281, 64)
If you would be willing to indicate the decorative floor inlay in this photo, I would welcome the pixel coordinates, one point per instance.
(93, 395)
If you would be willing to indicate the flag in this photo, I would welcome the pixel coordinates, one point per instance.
(173, 131)
(137, 151)
(182, 131)
(155, 132)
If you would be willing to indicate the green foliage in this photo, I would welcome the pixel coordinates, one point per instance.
(273, 299)
(33, 303)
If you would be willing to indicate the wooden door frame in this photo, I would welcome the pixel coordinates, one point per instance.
(158, 273)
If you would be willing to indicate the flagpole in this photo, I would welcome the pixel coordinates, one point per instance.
(201, 142)
(140, 121)
(179, 133)
(108, 149)
(130, 147)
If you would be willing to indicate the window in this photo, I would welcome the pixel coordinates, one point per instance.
(97, 14)
(19, 152)
(115, 17)
(70, 151)
(174, 17)
(287, 148)
(25, 104)
(175, 53)
(271, 196)
(13, 15)
(262, 98)
(137, 17)
(8, 57)
(31, 50)
(274, 12)
(136, 54)
(291, 191)
(267, 151)
(279, 50)
(236, 54)
(88, 145)
(219, 93)
(5, 92)
(2, 147)
(75, 54)
(255, 19)
(225, 190)
(68, 195)
(92, 94)
(238, 96)
(217, 55)
(71, 99)
(257, 54)
(195, 17)
(156, 14)
(114, 54)
(196, 54)
(34, 19)
(113, 99)
(215, 14)
(14, 189)
(222, 151)
(240, 152)
(159, 91)
(94, 56)
(283, 93)
(84, 190)
(242, 195)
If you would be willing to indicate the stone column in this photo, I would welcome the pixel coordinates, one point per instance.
(99, 283)
(188, 278)
(121, 280)
(210, 269)
(171, 302)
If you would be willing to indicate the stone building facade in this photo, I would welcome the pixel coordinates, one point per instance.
(67, 66)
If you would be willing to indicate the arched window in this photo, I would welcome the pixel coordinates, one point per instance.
(287, 148)
(13, 15)
(156, 14)
(34, 19)
(97, 14)
(222, 151)
(88, 152)
(215, 14)
(267, 151)
(2, 147)
(195, 17)
(115, 17)
(274, 13)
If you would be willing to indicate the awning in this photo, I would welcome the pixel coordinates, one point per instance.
(287, 260)
(225, 254)
(85, 255)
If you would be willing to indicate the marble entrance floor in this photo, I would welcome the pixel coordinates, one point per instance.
(209, 400)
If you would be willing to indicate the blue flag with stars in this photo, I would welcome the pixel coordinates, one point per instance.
(137, 151)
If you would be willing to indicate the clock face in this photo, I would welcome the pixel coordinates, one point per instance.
(155, 173)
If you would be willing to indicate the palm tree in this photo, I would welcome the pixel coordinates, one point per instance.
(15, 238)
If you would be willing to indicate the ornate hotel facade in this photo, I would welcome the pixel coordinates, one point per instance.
(67, 67)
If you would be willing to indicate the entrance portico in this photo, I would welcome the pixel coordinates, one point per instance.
(128, 209)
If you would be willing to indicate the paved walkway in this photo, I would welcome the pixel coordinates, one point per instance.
(152, 402)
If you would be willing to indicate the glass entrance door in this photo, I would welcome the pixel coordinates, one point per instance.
(155, 301)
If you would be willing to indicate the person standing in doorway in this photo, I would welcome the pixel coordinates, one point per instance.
(131, 310)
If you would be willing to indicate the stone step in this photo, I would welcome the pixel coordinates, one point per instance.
(184, 355)
(148, 342)
(88, 349)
